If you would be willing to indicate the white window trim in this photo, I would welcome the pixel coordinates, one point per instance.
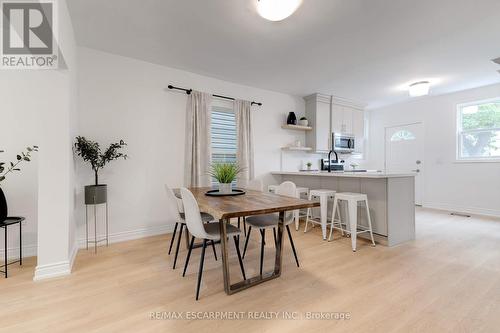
(458, 132)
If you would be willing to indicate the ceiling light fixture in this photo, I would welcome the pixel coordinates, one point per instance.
(419, 88)
(277, 10)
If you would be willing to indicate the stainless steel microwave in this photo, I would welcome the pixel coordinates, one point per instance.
(344, 143)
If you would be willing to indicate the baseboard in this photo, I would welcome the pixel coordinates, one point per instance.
(462, 209)
(64, 268)
(13, 252)
(72, 255)
(50, 271)
(131, 234)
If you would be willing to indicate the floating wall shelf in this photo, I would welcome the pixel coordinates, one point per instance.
(297, 148)
(297, 127)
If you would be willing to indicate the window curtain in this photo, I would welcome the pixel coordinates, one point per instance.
(198, 152)
(244, 154)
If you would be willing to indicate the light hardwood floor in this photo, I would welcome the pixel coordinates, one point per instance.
(448, 280)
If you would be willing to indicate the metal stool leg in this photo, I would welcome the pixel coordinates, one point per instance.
(369, 222)
(334, 213)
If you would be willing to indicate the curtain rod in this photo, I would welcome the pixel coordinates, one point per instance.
(188, 91)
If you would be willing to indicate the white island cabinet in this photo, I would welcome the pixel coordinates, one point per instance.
(391, 198)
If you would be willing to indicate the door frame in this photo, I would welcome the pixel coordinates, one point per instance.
(422, 124)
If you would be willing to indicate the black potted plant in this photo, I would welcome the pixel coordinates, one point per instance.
(90, 151)
(25, 156)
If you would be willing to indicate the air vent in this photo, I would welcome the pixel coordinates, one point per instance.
(497, 61)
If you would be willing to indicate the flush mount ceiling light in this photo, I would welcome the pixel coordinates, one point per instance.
(419, 88)
(277, 10)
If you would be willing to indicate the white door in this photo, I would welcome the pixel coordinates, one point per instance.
(404, 153)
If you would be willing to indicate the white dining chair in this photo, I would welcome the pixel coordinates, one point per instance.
(270, 221)
(207, 232)
(179, 218)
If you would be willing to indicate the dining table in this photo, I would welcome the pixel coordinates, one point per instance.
(225, 208)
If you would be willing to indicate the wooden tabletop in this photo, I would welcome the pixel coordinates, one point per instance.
(251, 203)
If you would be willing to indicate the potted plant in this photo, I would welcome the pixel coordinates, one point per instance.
(12, 167)
(90, 151)
(303, 121)
(309, 165)
(225, 174)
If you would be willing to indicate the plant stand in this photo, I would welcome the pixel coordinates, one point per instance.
(96, 195)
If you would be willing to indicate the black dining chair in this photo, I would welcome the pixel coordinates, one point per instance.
(5, 224)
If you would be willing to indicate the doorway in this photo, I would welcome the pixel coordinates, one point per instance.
(404, 153)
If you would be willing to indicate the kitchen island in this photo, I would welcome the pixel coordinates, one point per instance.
(391, 199)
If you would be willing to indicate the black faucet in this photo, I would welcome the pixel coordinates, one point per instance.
(330, 160)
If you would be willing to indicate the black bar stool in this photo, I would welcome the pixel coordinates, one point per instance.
(10, 221)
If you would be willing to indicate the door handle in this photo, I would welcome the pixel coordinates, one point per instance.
(417, 170)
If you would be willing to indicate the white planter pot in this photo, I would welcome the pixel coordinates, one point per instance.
(225, 188)
(303, 122)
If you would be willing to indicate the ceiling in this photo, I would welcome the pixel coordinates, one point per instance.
(365, 50)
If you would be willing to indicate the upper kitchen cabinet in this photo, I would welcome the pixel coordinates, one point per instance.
(348, 118)
(343, 116)
(318, 114)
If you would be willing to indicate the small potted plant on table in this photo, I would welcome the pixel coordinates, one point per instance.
(90, 151)
(225, 174)
(309, 165)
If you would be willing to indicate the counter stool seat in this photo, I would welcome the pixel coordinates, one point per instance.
(323, 196)
(352, 219)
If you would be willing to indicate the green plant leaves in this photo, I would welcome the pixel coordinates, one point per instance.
(24, 156)
(225, 173)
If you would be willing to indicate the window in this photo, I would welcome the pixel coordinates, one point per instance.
(479, 131)
(223, 134)
(402, 135)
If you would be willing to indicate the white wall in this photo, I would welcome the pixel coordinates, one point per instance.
(123, 98)
(37, 109)
(462, 187)
(56, 225)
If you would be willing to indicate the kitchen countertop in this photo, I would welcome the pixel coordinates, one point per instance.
(368, 174)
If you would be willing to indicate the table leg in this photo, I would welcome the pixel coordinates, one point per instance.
(250, 282)
(225, 263)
